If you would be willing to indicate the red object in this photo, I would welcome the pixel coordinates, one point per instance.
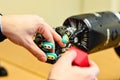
(81, 58)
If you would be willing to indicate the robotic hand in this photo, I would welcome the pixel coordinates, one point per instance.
(87, 32)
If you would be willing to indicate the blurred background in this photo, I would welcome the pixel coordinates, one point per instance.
(22, 65)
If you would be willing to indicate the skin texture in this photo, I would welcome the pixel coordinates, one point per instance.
(21, 29)
(64, 70)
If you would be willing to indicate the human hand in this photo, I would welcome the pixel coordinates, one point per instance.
(64, 70)
(21, 30)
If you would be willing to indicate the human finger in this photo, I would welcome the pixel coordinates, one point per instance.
(46, 33)
(33, 48)
(57, 38)
(93, 69)
(67, 58)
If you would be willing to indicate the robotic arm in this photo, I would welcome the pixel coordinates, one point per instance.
(88, 32)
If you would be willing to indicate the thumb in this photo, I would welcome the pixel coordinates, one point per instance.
(67, 58)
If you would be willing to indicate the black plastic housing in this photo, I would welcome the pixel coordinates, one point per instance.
(95, 31)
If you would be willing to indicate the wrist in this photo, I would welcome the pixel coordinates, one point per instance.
(2, 36)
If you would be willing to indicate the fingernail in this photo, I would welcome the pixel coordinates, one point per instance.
(64, 45)
(42, 58)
